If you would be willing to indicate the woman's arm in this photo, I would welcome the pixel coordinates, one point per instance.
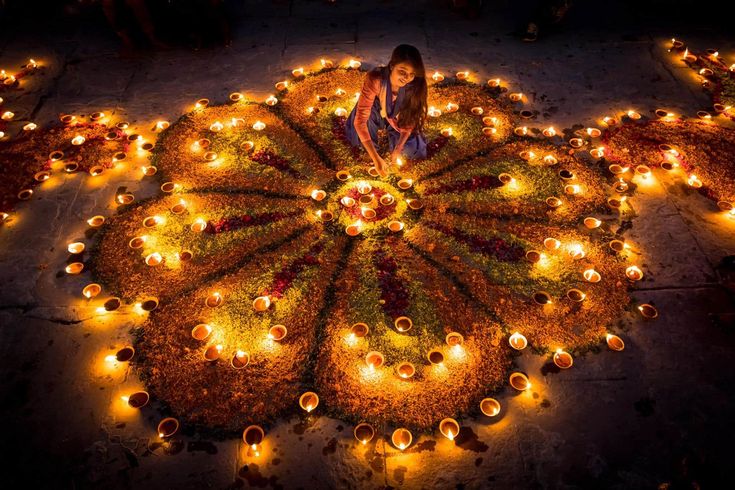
(370, 90)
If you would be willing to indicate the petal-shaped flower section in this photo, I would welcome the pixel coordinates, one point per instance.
(699, 148)
(517, 180)
(171, 244)
(236, 373)
(225, 147)
(488, 257)
(409, 308)
(311, 105)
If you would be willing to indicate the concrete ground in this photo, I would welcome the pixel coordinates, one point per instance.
(659, 412)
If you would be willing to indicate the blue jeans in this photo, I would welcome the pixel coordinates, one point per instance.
(415, 147)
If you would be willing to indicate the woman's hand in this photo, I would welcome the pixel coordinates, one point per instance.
(395, 158)
(381, 166)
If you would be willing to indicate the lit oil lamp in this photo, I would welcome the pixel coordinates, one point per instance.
(449, 428)
(30, 126)
(259, 126)
(550, 160)
(719, 108)
(354, 64)
(527, 155)
(374, 359)
(662, 113)
(277, 332)
(75, 248)
(434, 112)
(137, 242)
(297, 72)
(694, 181)
(119, 157)
(616, 169)
(368, 213)
(563, 359)
(67, 118)
(214, 299)
(403, 324)
(549, 132)
(201, 332)
(518, 341)
(617, 245)
(167, 427)
(576, 251)
(42, 176)
(153, 259)
(643, 170)
(614, 342)
(615, 202)
(551, 243)
(706, 72)
(688, 57)
(318, 194)
(648, 311)
(576, 142)
(25, 194)
(542, 298)
(477, 110)
(347, 201)
(395, 226)
(149, 170)
(520, 381)
(74, 268)
(446, 132)
(271, 100)
(56, 155)
(633, 115)
(139, 399)
(553, 202)
(216, 126)
(326, 63)
(405, 370)
(489, 121)
(201, 103)
(533, 256)
(199, 225)
(526, 114)
(463, 75)
(489, 130)
(364, 433)
(340, 92)
(354, 229)
(401, 438)
(125, 354)
(240, 359)
(521, 131)
(7, 116)
(435, 357)
(387, 199)
(112, 304)
(185, 255)
(340, 112)
(591, 275)
(365, 188)
(633, 273)
(516, 97)
(359, 330)
(451, 107)
(576, 295)
(309, 401)
(236, 97)
(212, 352)
(490, 407)
(704, 115)
(96, 170)
(415, 204)
(91, 290)
(179, 207)
(593, 132)
(261, 303)
(282, 85)
(592, 223)
(573, 189)
(325, 216)
(253, 435)
(78, 140)
(598, 152)
(151, 221)
(454, 339)
(437, 77)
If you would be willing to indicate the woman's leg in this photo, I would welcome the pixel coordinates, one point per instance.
(374, 123)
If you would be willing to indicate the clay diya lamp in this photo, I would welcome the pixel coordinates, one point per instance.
(533, 256)
(325, 216)
(119, 156)
(167, 427)
(552, 243)
(277, 332)
(576, 142)
(516, 96)
(643, 170)
(405, 184)
(617, 245)
(576, 251)
(137, 242)
(521, 131)
(454, 339)
(179, 207)
(125, 354)
(550, 160)
(201, 103)
(91, 290)
(688, 57)
(25, 194)
(563, 359)
(359, 330)
(616, 169)
(489, 121)
(148, 146)
(78, 140)
(151, 221)
(56, 155)
(41, 176)
(449, 428)
(149, 304)
(210, 156)
(253, 435)
(447, 132)
(633, 273)
(212, 353)
(125, 198)
(405, 370)
(354, 64)
(153, 259)
(395, 226)
(489, 130)
(694, 181)
(185, 255)
(520, 381)
(368, 213)
(122, 125)
(437, 77)
(592, 223)
(67, 118)
(374, 359)
(434, 112)
(75, 248)
(271, 100)
(364, 432)
(477, 111)
(565, 174)
(403, 323)
(576, 295)
(112, 135)
(542, 298)
(364, 188)
(549, 132)
(553, 202)
(401, 438)
(74, 268)
(201, 331)
(353, 229)
(259, 126)
(648, 311)
(614, 342)
(240, 359)
(725, 205)
(340, 112)
(199, 225)
(591, 275)
(463, 75)
(415, 204)
(326, 64)
(149, 171)
(622, 186)
(435, 356)
(318, 194)
(526, 114)
(597, 152)
(347, 202)
(168, 187)
(490, 407)
(309, 401)
(139, 399)
(614, 202)
(662, 113)
(505, 178)
(112, 304)
(593, 132)
(261, 303)
(704, 115)
(213, 300)
(373, 172)
(387, 199)
(518, 341)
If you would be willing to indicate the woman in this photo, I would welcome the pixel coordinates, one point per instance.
(393, 97)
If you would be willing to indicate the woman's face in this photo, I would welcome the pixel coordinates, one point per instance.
(401, 75)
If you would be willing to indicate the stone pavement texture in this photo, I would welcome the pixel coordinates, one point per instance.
(659, 412)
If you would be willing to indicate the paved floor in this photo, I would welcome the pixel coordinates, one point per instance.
(659, 412)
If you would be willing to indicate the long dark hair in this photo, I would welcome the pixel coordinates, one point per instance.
(412, 112)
